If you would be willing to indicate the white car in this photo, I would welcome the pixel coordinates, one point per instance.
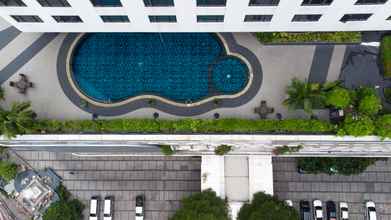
(94, 208)
(318, 210)
(370, 213)
(108, 208)
(140, 207)
(344, 211)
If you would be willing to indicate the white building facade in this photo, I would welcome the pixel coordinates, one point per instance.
(196, 15)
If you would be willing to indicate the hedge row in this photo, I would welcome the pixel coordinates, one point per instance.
(332, 37)
(287, 126)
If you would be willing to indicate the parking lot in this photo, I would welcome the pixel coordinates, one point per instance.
(374, 184)
(163, 180)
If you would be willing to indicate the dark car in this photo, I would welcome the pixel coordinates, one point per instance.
(331, 210)
(305, 210)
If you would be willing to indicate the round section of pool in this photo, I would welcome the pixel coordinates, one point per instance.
(181, 67)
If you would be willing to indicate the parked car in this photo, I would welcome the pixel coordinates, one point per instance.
(344, 211)
(108, 208)
(305, 210)
(94, 208)
(140, 207)
(331, 210)
(370, 212)
(289, 203)
(317, 209)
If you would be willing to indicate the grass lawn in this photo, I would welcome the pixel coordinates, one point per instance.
(285, 37)
(386, 55)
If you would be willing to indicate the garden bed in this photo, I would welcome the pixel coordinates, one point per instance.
(309, 37)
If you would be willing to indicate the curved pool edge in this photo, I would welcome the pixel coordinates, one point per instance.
(181, 109)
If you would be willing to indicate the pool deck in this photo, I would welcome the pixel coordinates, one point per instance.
(35, 55)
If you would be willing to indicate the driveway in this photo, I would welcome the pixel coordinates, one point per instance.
(163, 180)
(374, 184)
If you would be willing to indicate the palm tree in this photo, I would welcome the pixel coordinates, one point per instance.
(18, 120)
(304, 95)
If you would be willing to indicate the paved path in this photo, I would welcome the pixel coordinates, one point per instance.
(374, 184)
(163, 180)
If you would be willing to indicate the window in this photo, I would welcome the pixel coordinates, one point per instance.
(370, 2)
(210, 18)
(258, 18)
(211, 3)
(316, 2)
(355, 17)
(158, 3)
(306, 18)
(27, 18)
(264, 2)
(54, 3)
(162, 18)
(106, 3)
(67, 19)
(11, 3)
(115, 18)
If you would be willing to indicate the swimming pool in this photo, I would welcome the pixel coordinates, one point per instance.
(179, 67)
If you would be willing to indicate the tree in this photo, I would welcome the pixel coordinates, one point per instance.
(18, 120)
(360, 126)
(8, 170)
(332, 165)
(304, 95)
(267, 207)
(204, 205)
(66, 208)
(338, 97)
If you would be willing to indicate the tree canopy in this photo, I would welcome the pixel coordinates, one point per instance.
(202, 206)
(267, 207)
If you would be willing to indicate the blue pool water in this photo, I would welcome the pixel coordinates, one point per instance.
(111, 67)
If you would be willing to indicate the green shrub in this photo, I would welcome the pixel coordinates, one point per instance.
(287, 150)
(387, 94)
(230, 125)
(385, 54)
(204, 205)
(223, 149)
(285, 37)
(267, 207)
(370, 105)
(338, 97)
(19, 119)
(8, 170)
(166, 150)
(383, 126)
(361, 126)
(333, 165)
